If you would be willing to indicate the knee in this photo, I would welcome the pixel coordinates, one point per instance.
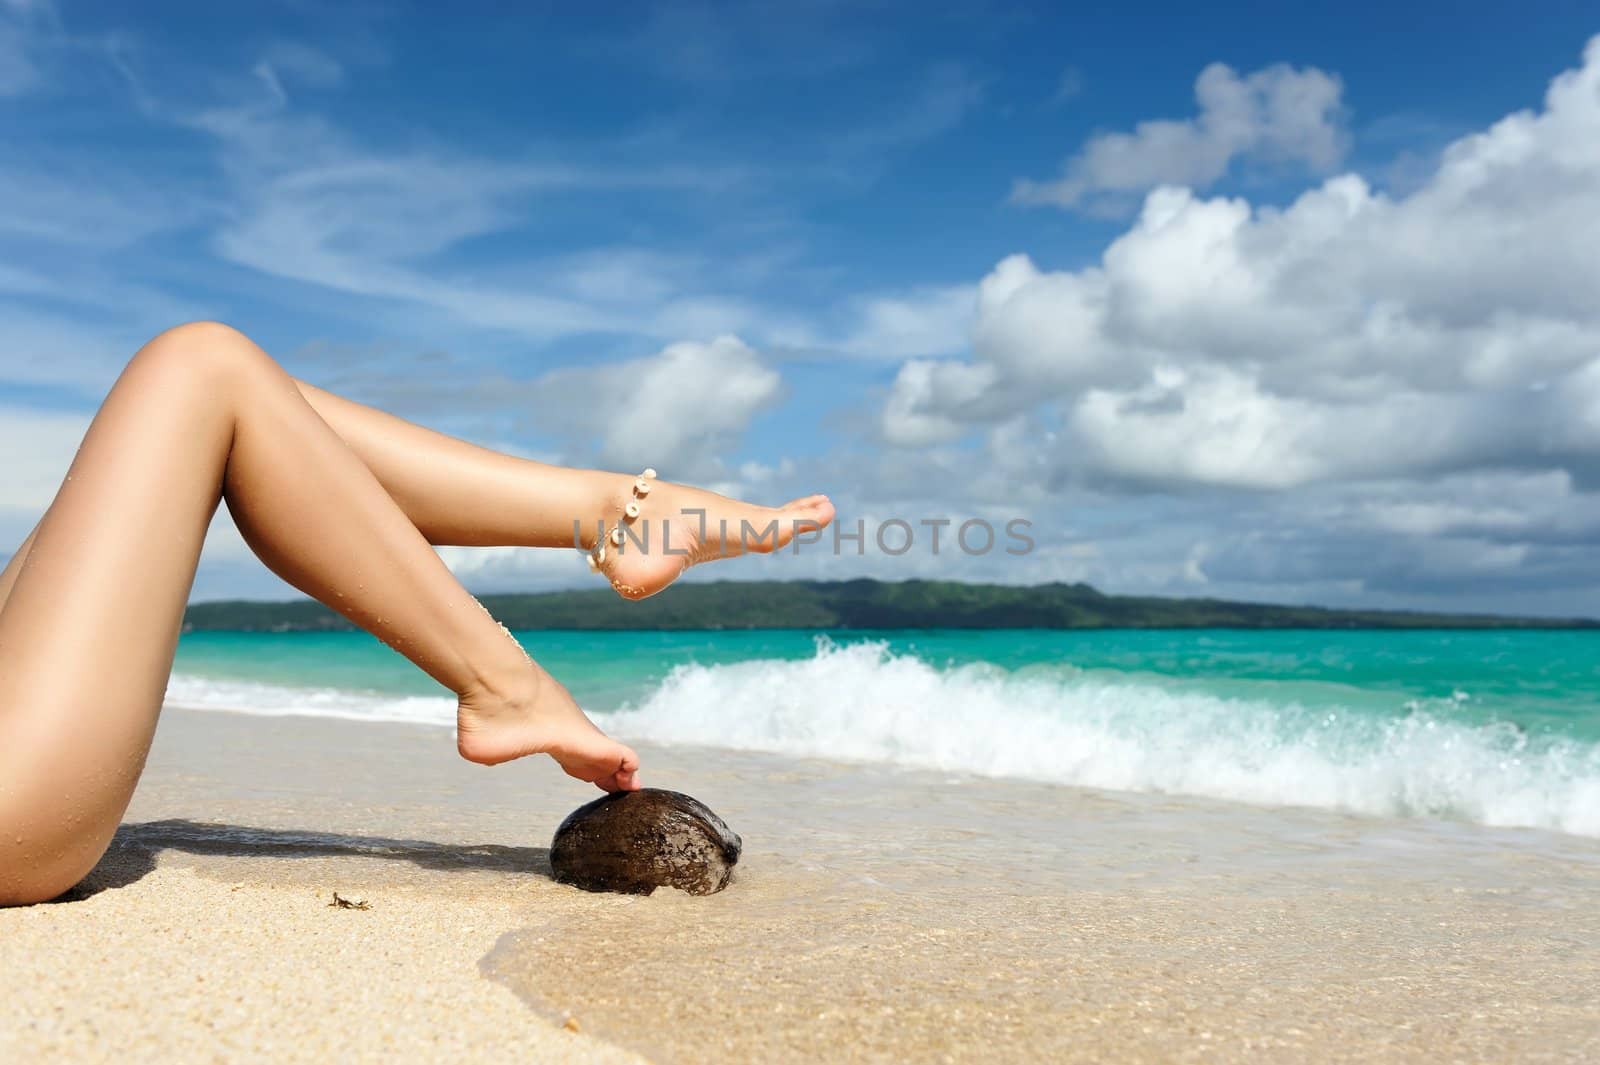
(30, 882)
(33, 891)
(199, 336)
(47, 852)
(203, 349)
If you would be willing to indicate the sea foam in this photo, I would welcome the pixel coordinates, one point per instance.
(273, 700)
(860, 702)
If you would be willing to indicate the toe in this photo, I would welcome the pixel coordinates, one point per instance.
(807, 514)
(627, 774)
(812, 511)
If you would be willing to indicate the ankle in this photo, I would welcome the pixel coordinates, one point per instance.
(503, 686)
(487, 708)
(609, 494)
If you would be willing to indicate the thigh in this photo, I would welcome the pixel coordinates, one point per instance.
(8, 576)
(89, 629)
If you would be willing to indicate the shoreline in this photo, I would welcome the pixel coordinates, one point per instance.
(1521, 837)
(879, 914)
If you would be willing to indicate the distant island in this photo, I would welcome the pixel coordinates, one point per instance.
(870, 604)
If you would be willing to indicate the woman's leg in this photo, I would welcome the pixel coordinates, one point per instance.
(89, 629)
(458, 493)
(8, 576)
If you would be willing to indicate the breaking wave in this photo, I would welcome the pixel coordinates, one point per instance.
(860, 702)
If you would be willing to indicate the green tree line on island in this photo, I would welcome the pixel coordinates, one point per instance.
(870, 604)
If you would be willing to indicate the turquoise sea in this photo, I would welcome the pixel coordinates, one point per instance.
(1498, 728)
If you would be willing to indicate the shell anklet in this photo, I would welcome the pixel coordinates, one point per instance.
(618, 533)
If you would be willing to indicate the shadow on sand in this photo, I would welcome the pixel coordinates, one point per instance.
(133, 851)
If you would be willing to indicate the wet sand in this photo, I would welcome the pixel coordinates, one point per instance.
(877, 916)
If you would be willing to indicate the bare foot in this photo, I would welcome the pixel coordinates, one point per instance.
(679, 527)
(491, 729)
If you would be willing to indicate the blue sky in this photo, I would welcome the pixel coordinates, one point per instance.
(1226, 301)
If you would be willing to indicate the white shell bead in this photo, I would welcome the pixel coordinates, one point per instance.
(617, 536)
(631, 510)
(649, 472)
(593, 565)
(600, 553)
(641, 487)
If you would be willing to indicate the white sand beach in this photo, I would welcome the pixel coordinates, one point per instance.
(877, 916)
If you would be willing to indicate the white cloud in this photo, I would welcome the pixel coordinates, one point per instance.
(17, 279)
(28, 29)
(936, 320)
(940, 103)
(361, 225)
(1349, 335)
(681, 410)
(311, 206)
(1274, 115)
(18, 73)
(922, 390)
(1509, 506)
(1070, 86)
(519, 569)
(303, 200)
(82, 342)
(74, 205)
(38, 446)
(304, 64)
